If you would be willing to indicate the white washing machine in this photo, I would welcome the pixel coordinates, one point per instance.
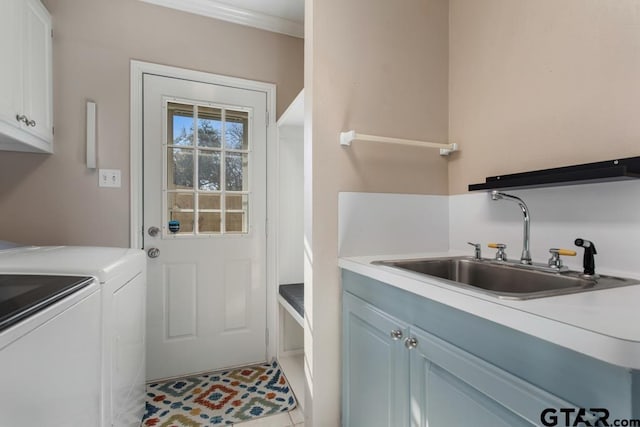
(120, 289)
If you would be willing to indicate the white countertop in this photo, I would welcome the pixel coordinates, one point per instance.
(602, 324)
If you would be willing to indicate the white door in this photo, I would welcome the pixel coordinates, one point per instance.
(205, 191)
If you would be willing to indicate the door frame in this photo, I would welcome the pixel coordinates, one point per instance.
(138, 69)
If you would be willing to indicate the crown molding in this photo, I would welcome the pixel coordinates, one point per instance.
(217, 10)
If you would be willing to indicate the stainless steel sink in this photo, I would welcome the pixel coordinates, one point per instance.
(506, 280)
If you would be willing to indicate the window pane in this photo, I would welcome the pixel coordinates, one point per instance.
(236, 202)
(236, 172)
(177, 203)
(236, 222)
(208, 201)
(180, 122)
(209, 127)
(179, 168)
(237, 206)
(210, 184)
(236, 134)
(209, 170)
(209, 222)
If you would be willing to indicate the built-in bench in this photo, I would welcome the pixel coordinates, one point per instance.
(291, 297)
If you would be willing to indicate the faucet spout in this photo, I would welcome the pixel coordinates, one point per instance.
(526, 254)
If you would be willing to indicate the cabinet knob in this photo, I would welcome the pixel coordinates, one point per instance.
(24, 119)
(411, 343)
(396, 334)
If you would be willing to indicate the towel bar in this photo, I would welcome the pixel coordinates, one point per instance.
(347, 137)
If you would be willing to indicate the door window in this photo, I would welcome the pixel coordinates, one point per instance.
(207, 163)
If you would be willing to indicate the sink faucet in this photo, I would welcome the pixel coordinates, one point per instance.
(477, 254)
(526, 254)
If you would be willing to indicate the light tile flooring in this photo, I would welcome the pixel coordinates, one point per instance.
(289, 419)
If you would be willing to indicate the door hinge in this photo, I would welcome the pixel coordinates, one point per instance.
(266, 337)
(52, 33)
(267, 116)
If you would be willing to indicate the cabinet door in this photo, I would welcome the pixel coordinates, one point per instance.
(375, 367)
(37, 70)
(450, 387)
(11, 53)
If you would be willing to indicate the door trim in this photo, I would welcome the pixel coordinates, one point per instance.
(138, 69)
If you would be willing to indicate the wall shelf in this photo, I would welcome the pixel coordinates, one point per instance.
(610, 170)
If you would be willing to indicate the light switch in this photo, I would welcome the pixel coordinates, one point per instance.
(109, 178)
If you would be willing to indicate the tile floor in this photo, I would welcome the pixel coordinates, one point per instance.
(289, 419)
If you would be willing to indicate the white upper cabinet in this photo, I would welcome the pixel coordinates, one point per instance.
(26, 118)
(11, 51)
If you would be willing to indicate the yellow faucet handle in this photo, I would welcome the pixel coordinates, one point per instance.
(564, 252)
(497, 245)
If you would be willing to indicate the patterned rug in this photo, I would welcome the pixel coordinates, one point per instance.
(219, 398)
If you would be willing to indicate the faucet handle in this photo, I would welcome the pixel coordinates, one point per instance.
(501, 254)
(478, 248)
(565, 252)
(555, 260)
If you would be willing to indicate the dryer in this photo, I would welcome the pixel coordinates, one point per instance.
(121, 275)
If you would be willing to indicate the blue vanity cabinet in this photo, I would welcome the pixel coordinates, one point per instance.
(375, 367)
(450, 368)
(450, 387)
(397, 375)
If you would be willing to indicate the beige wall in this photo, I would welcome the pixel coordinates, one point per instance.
(379, 69)
(55, 199)
(541, 83)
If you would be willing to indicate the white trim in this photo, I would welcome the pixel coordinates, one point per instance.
(292, 311)
(294, 114)
(225, 12)
(138, 68)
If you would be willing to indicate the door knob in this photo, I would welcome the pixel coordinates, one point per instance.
(153, 252)
(153, 231)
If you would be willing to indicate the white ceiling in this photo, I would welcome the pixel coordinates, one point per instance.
(281, 16)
